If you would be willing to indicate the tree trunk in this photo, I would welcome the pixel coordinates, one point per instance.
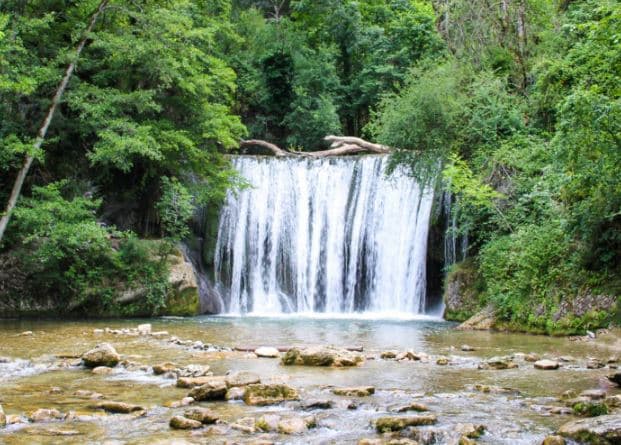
(21, 175)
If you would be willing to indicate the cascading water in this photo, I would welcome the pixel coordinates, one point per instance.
(331, 235)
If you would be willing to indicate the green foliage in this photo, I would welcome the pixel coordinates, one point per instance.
(70, 256)
(175, 208)
(590, 409)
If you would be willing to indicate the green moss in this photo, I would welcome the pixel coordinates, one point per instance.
(182, 304)
(589, 409)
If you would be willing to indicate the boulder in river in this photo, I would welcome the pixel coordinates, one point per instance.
(183, 423)
(202, 415)
(214, 390)
(267, 352)
(322, 356)
(410, 407)
(241, 378)
(292, 425)
(546, 364)
(498, 363)
(396, 423)
(355, 391)
(317, 404)
(103, 354)
(387, 355)
(163, 368)
(261, 394)
(601, 430)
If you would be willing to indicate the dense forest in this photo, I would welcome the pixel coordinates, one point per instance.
(514, 106)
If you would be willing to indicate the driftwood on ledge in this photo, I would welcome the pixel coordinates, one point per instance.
(339, 146)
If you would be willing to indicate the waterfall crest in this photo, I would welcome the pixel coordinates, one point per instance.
(331, 235)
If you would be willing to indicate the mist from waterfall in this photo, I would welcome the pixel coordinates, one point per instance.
(330, 235)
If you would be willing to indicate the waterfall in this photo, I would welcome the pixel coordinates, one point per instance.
(331, 235)
(455, 243)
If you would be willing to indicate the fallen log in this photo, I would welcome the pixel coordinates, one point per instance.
(339, 146)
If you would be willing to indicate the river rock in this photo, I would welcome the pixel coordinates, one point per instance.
(357, 391)
(470, 430)
(101, 370)
(241, 378)
(183, 423)
(202, 415)
(46, 415)
(213, 390)
(553, 440)
(546, 364)
(602, 430)
(245, 424)
(442, 361)
(194, 371)
(410, 407)
(613, 401)
(467, 348)
(2, 418)
(532, 357)
(498, 363)
(261, 394)
(393, 423)
(318, 404)
(267, 352)
(615, 378)
(101, 355)
(322, 356)
(163, 368)
(594, 394)
(386, 355)
(292, 425)
(594, 363)
(192, 382)
(118, 407)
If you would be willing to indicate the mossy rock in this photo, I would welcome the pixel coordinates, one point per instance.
(182, 303)
(462, 294)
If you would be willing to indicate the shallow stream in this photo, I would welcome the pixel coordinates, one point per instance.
(40, 370)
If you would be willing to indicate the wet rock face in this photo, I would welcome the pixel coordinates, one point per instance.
(103, 354)
(322, 356)
(602, 430)
(261, 395)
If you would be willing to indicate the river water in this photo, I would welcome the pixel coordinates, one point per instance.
(38, 373)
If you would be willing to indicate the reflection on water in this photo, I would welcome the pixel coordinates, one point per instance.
(32, 369)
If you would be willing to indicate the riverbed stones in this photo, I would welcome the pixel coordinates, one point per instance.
(101, 370)
(118, 407)
(322, 356)
(593, 363)
(193, 371)
(267, 352)
(212, 390)
(395, 423)
(103, 354)
(601, 430)
(467, 348)
(202, 415)
(183, 423)
(553, 440)
(269, 394)
(546, 364)
(241, 378)
(470, 430)
(46, 415)
(144, 329)
(354, 391)
(2, 418)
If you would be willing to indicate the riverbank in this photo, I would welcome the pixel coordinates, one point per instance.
(458, 377)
